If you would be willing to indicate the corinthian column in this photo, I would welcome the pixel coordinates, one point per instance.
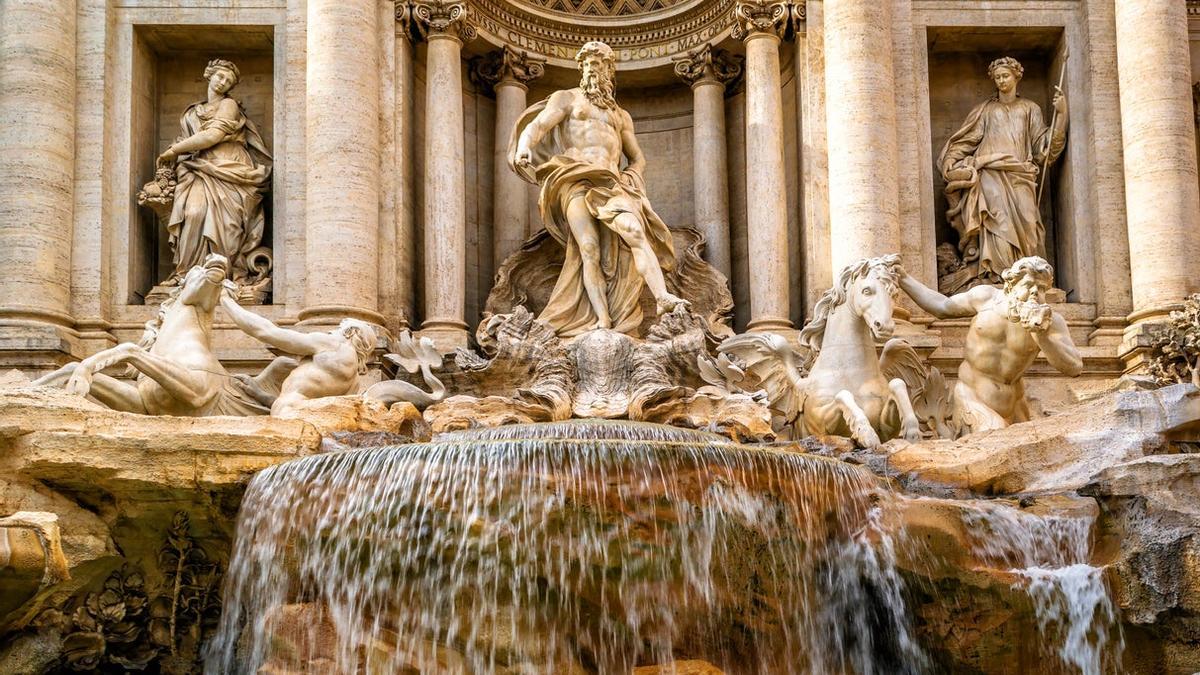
(342, 137)
(1163, 202)
(760, 24)
(37, 164)
(707, 71)
(860, 113)
(508, 73)
(444, 25)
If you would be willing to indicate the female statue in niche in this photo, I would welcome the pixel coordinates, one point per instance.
(992, 166)
(222, 168)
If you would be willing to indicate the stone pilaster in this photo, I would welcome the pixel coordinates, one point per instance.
(444, 24)
(864, 208)
(37, 174)
(406, 250)
(342, 156)
(507, 72)
(708, 70)
(761, 24)
(1157, 128)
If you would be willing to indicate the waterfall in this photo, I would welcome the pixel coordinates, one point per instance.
(569, 548)
(1049, 555)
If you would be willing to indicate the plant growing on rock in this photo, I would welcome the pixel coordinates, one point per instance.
(1174, 352)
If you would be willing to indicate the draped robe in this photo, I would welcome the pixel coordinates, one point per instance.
(218, 196)
(607, 194)
(995, 212)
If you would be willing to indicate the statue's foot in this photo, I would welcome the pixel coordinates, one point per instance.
(669, 302)
(911, 430)
(604, 322)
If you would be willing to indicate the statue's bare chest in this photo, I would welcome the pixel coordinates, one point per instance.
(994, 327)
(586, 114)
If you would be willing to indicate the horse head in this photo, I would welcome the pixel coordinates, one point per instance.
(871, 291)
(202, 285)
(867, 288)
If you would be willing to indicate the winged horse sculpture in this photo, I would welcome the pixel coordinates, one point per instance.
(849, 389)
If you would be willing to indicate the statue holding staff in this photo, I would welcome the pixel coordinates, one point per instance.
(992, 166)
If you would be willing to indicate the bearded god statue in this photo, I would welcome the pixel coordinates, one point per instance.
(993, 166)
(1009, 328)
(572, 145)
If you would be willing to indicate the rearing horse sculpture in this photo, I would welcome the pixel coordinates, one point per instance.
(849, 390)
(178, 372)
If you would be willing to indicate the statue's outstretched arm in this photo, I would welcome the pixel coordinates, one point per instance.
(260, 328)
(941, 306)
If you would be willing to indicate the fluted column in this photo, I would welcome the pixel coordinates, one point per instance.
(708, 71)
(37, 163)
(406, 217)
(342, 156)
(508, 72)
(1163, 202)
(444, 25)
(761, 24)
(864, 202)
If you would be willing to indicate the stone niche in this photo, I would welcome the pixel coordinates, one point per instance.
(958, 81)
(168, 69)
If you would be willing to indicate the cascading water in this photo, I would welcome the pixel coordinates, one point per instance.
(1050, 555)
(572, 547)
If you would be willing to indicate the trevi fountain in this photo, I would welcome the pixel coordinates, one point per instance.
(599, 336)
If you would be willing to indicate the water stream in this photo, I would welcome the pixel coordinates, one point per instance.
(1049, 555)
(575, 547)
(595, 547)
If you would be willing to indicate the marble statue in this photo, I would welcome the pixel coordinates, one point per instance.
(992, 166)
(221, 169)
(1008, 329)
(849, 390)
(329, 362)
(177, 371)
(412, 356)
(571, 145)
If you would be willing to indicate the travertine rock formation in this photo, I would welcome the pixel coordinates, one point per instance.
(1058, 453)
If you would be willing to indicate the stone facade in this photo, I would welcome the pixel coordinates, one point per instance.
(797, 136)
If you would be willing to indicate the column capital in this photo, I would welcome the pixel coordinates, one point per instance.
(441, 18)
(506, 66)
(708, 65)
(753, 18)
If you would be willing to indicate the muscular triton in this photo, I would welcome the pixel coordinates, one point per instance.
(1009, 328)
(572, 145)
(329, 363)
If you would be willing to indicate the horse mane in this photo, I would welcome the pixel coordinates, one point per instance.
(814, 331)
(150, 333)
